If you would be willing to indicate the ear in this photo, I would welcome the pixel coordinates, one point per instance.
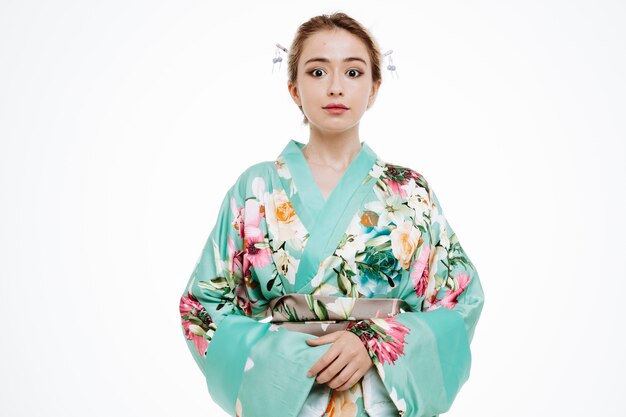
(373, 93)
(293, 91)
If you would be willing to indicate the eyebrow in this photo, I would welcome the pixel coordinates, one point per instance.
(349, 59)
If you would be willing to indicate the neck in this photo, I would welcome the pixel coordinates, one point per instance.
(333, 150)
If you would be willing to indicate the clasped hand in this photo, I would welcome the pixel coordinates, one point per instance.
(344, 363)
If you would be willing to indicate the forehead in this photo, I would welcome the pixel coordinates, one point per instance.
(334, 45)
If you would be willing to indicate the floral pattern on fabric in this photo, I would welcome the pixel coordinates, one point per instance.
(346, 403)
(197, 324)
(383, 235)
(382, 238)
(438, 280)
(382, 337)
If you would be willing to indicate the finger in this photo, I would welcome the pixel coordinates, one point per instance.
(361, 365)
(342, 346)
(317, 341)
(353, 380)
(345, 378)
(322, 340)
(327, 358)
(333, 369)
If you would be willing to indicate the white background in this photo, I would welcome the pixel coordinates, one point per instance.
(123, 123)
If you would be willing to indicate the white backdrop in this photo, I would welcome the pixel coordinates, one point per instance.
(123, 123)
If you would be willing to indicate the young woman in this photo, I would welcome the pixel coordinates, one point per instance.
(331, 283)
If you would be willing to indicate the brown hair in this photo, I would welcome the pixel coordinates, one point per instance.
(338, 20)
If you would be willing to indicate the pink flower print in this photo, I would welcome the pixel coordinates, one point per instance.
(195, 321)
(383, 338)
(450, 299)
(256, 256)
(419, 272)
(397, 176)
(396, 188)
(242, 279)
(252, 215)
(391, 347)
(235, 259)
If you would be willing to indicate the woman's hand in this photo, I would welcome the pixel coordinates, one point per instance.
(344, 363)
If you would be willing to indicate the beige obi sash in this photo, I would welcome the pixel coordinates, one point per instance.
(321, 314)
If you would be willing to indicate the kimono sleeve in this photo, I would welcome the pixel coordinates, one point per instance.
(245, 361)
(423, 356)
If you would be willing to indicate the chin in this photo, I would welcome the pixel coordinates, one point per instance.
(334, 124)
(333, 127)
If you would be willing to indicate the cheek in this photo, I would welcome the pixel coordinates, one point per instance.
(311, 100)
(308, 91)
(366, 92)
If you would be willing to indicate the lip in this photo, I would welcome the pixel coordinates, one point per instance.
(335, 106)
(335, 110)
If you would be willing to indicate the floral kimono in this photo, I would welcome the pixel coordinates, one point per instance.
(381, 234)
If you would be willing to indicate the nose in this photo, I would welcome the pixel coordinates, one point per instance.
(335, 87)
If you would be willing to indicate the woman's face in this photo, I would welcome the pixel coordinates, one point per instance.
(334, 67)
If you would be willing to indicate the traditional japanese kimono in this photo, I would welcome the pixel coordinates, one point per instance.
(380, 235)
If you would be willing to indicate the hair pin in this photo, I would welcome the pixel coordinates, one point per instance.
(277, 57)
(391, 67)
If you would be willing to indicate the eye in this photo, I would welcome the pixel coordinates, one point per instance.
(354, 69)
(316, 72)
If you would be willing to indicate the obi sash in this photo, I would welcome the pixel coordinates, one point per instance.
(321, 314)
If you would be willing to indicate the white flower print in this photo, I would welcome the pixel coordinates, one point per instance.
(282, 221)
(343, 306)
(417, 199)
(286, 264)
(354, 243)
(390, 209)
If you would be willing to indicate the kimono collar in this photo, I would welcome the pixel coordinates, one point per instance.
(325, 220)
(305, 183)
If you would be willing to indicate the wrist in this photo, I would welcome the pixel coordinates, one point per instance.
(362, 329)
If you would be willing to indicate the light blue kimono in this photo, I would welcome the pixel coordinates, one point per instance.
(380, 234)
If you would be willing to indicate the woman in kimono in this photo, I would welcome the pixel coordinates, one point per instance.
(331, 283)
